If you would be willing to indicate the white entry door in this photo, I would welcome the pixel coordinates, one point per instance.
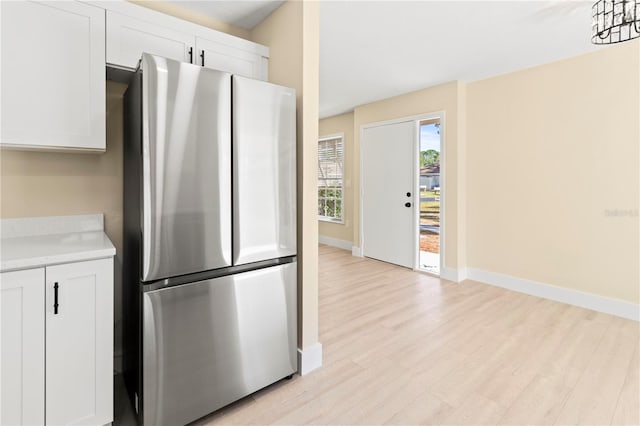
(387, 192)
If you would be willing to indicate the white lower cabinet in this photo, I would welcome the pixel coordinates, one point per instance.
(79, 354)
(68, 307)
(22, 363)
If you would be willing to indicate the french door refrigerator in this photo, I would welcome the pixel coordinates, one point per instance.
(209, 270)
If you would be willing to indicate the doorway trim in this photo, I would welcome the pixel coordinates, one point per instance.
(416, 119)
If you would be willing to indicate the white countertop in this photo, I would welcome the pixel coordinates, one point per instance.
(31, 251)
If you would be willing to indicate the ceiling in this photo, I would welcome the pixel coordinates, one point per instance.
(241, 13)
(372, 50)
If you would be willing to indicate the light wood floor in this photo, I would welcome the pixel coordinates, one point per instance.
(402, 347)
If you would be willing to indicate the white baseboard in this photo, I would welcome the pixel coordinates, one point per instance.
(309, 359)
(335, 242)
(591, 301)
(452, 274)
(462, 274)
(355, 251)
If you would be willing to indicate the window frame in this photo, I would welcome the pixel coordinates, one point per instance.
(330, 219)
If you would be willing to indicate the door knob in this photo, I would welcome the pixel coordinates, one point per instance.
(407, 204)
(408, 194)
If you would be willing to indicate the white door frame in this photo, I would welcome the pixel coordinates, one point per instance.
(415, 199)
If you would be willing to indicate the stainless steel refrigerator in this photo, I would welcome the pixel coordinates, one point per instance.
(209, 259)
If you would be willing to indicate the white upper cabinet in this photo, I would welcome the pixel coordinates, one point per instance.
(53, 75)
(128, 37)
(132, 30)
(222, 57)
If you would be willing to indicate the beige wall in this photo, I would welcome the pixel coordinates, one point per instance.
(553, 153)
(53, 184)
(195, 17)
(292, 34)
(447, 98)
(331, 126)
(542, 173)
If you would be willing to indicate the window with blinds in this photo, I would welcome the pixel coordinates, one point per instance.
(330, 178)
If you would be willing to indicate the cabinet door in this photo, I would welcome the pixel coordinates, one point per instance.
(22, 371)
(79, 351)
(219, 56)
(128, 38)
(53, 75)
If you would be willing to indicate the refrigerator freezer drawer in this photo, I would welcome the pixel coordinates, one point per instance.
(186, 172)
(209, 343)
(264, 171)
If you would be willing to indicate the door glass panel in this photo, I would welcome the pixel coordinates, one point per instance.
(430, 193)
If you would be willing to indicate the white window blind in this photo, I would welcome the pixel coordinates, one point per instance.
(330, 178)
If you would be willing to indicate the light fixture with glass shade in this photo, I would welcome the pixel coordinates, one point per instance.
(615, 21)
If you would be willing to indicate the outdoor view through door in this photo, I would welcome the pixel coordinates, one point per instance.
(430, 195)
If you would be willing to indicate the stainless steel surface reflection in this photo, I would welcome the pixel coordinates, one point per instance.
(212, 342)
(264, 171)
(186, 154)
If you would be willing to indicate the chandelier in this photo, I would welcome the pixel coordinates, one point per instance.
(615, 21)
